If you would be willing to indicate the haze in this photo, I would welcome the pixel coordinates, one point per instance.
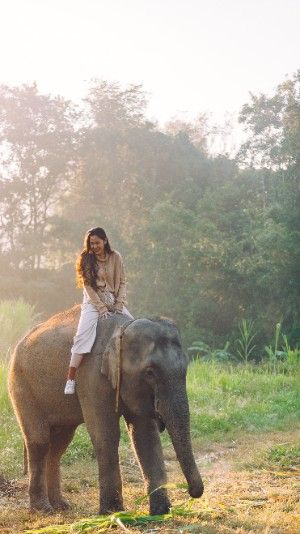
(191, 56)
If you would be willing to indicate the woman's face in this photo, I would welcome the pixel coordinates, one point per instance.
(97, 245)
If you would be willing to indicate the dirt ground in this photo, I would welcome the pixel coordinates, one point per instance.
(239, 497)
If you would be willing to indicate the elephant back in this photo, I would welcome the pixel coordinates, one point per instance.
(105, 331)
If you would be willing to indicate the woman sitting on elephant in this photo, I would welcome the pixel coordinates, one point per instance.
(100, 272)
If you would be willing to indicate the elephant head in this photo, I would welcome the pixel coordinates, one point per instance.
(145, 361)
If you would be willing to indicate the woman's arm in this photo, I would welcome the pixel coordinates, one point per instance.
(95, 299)
(121, 294)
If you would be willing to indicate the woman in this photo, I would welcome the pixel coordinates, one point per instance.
(100, 271)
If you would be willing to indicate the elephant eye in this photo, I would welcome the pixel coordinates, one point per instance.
(149, 373)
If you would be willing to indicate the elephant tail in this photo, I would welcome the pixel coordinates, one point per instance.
(25, 459)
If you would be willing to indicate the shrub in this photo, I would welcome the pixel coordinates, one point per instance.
(16, 317)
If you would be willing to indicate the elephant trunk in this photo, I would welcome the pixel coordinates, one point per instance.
(173, 407)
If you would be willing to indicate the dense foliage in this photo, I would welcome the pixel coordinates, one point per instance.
(208, 240)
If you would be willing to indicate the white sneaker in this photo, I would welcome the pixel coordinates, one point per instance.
(70, 387)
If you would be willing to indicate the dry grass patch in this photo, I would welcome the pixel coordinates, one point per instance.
(240, 497)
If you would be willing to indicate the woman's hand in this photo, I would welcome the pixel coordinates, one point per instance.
(119, 307)
(104, 313)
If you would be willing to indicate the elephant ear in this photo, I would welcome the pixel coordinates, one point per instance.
(111, 360)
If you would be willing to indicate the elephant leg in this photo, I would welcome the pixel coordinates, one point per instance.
(146, 442)
(103, 427)
(37, 459)
(36, 434)
(60, 438)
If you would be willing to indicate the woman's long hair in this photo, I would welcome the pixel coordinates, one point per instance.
(86, 263)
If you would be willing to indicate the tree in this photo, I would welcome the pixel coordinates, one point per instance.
(126, 166)
(273, 125)
(37, 140)
(115, 108)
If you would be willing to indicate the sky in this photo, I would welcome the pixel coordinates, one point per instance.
(191, 56)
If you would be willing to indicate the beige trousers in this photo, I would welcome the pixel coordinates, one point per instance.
(86, 331)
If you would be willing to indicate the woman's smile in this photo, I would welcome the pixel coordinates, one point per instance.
(97, 245)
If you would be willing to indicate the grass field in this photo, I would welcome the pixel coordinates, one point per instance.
(245, 423)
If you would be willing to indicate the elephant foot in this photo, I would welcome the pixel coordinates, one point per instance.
(41, 505)
(110, 509)
(159, 503)
(60, 504)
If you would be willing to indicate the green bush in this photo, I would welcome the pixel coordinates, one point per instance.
(16, 317)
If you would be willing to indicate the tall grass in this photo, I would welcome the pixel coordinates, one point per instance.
(16, 317)
(11, 444)
(227, 399)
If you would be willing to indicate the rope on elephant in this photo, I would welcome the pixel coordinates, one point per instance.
(122, 330)
(118, 380)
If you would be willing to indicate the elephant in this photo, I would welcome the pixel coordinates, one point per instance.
(136, 369)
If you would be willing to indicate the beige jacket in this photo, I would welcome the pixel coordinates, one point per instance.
(111, 276)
